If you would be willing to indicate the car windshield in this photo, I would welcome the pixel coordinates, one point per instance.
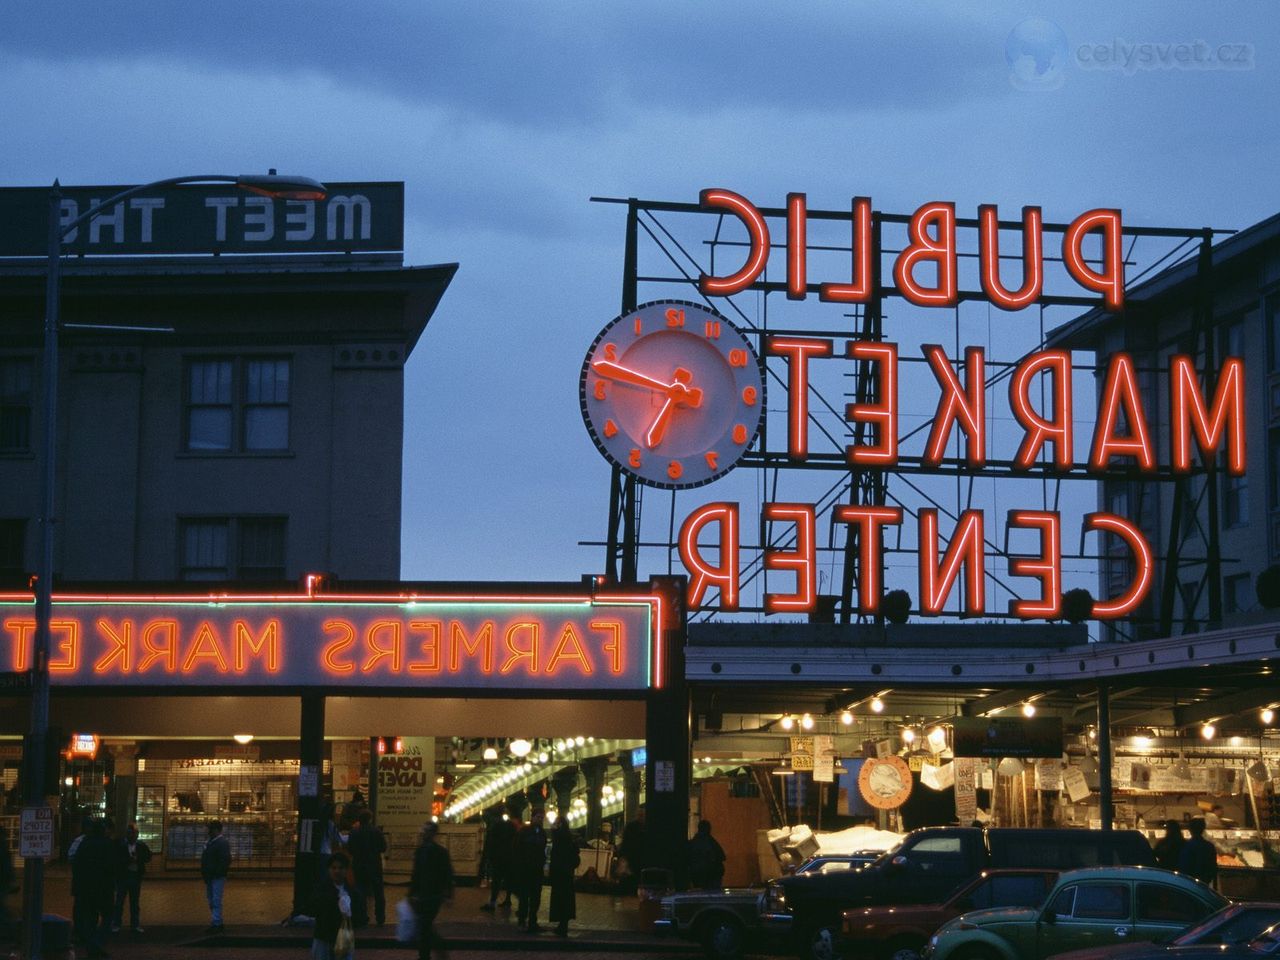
(1235, 924)
(1267, 942)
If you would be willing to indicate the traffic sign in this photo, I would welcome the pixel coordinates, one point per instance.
(35, 833)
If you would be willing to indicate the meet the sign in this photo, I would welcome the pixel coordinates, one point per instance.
(207, 219)
(601, 643)
(1008, 736)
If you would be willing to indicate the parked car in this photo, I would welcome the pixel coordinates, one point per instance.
(1087, 908)
(804, 912)
(724, 921)
(900, 933)
(1231, 926)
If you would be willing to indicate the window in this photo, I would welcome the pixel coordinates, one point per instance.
(1164, 904)
(1102, 901)
(13, 538)
(1064, 902)
(1235, 504)
(1235, 593)
(15, 404)
(226, 548)
(237, 404)
(1015, 890)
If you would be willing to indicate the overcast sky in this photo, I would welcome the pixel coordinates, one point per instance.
(503, 118)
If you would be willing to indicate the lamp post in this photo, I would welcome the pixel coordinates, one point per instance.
(34, 758)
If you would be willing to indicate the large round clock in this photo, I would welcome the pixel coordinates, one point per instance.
(885, 782)
(672, 393)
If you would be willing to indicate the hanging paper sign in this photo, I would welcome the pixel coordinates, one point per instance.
(884, 748)
(1073, 780)
(963, 774)
(938, 777)
(824, 759)
(1049, 774)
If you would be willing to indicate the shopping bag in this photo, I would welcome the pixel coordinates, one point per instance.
(406, 922)
(345, 942)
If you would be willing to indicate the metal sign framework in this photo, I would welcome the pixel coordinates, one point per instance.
(650, 222)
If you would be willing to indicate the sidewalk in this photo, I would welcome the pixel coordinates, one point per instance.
(174, 914)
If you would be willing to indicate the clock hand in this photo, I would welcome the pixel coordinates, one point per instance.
(616, 371)
(659, 427)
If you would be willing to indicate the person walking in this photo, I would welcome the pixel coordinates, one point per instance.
(366, 844)
(132, 857)
(705, 858)
(564, 865)
(527, 866)
(430, 885)
(331, 906)
(633, 849)
(92, 886)
(499, 839)
(215, 864)
(1199, 857)
(1169, 846)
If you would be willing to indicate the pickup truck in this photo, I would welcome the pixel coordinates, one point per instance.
(804, 912)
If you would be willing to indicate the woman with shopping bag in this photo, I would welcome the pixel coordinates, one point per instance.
(333, 938)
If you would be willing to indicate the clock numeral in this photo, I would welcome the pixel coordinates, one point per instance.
(749, 396)
(737, 358)
(639, 325)
(739, 433)
(599, 390)
(713, 329)
(713, 458)
(675, 318)
(634, 459)
(610, 351)
(610, 429)
(675, 470)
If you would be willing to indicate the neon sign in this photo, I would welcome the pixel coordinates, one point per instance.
(1205, 418)
(600, 643)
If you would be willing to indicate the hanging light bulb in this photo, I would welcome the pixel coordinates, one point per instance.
(937, 739)
(1208, 731)
(807, 721)
(490, 753)
(1028, 709)
(846, 718)
(1267, 715)
(908, 736)
(877, 705)
(788, 722)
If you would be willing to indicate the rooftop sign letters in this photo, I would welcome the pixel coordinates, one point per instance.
(537, 644)
(206, 219)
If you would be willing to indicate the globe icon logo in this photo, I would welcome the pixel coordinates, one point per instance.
(1036, 51)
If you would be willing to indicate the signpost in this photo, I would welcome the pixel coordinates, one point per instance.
(35, 833)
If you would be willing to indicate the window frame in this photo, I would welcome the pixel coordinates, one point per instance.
(239, 405)
(17, 402)
(235, 569)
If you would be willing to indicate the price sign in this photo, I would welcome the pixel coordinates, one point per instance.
(35, 833)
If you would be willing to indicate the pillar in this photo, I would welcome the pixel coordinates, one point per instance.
(1107, 808)
(123, 803)
(593, 772)
(306, 868)
(668, 734)
(562, 783)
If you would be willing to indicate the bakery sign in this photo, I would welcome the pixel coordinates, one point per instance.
(673, 394)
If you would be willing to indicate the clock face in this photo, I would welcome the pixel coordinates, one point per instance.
(672, 393)
(885, 782)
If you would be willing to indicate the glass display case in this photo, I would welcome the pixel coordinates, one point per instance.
(150, 818)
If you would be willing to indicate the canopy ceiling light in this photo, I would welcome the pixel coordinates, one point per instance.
(243, 738)
(877, 705)
(520, 748)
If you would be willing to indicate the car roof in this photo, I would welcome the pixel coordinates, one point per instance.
(1129, 873)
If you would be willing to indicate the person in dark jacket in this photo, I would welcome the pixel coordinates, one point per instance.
(634, 850)
(526, 867)
(499, 838)
(564, 864)
(92, 886)
(1169, 846)
(215, 864)
(366, 845)
(705, 858)
(1199, 857)
(331, 905)
(430, 885)
(132, 857)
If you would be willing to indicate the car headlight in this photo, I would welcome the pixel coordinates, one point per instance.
(933, 941)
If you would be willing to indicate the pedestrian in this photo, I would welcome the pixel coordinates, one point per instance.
(1169, 846)
(499, 840)
(366, 845)
(430, 885)
(215, 864)
(705, 858)
(333, 938)
(527, 867)
(633, 850)
(564, 865)
(132, 857)
(1199, 857)
(92, 886)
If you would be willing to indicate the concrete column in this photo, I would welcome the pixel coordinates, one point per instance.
(668, 733)
(123, 804)
(306, 868)
(1106, 808)
(562, 784)
(593, 771)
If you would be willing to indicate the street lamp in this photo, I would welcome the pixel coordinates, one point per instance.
(270, 185)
